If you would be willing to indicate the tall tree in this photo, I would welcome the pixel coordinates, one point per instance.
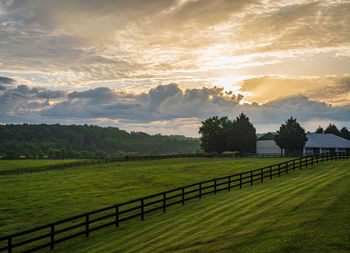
(242, 135)
(291, 136)
(214, 133)
(319, 130)
(345, 133)
(332, 129)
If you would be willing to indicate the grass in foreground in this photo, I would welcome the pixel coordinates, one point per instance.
(35, 199)
(25, 164)
(304, 211)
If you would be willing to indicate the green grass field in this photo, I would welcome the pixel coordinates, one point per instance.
(33, 199)
(24, 164)
(305, 211)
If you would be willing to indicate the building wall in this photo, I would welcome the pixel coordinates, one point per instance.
(267, 147)
(315, 151)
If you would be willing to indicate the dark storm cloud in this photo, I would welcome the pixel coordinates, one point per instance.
(167, 103)
(164, 102)
(7, 80)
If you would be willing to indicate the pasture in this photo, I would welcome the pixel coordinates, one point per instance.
(33, 199)
(304, 211)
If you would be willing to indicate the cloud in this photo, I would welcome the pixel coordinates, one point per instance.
(7, 80)
(153, 110)
(82, 42)
(331, 89)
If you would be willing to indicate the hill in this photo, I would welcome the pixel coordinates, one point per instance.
(86, 141)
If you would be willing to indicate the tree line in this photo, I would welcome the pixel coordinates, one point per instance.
(86, 141)
(220, 134)
(333, 129)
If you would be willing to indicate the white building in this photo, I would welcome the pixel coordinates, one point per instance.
(266, 145)
(325, 143)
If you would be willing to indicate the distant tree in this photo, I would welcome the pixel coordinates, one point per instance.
(214, 133)
(242, 135)
(291, 136)
(332, 129)
(51, 153)
(319, 130)
(99, 154)
(11, 154)
(345, 133)
(62, 153)
(40, 154)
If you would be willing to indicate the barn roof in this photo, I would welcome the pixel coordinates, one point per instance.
(326, 141)
(267, 137)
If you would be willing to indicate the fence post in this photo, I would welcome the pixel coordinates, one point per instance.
(164, 202)
(287, 167)
(300, 163)
(306, 159)
(183, 195)
(86, 225)
(262, 175)
(312, 160)
(251, 178)
(200, 190)
(294, 164)
(142, 210)
(52, 236)
(229, 183)
(9, 242)
(270, 172)
(240, 181)
(117, 216)
(279, 170)
(214, 186)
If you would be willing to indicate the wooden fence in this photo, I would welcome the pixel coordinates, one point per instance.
(82, 225)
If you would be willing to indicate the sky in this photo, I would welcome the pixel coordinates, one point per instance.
(164, 66)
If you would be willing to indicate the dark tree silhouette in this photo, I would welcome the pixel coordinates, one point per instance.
(332, 129)
(291, 136)
(214, 133)
(345, 133)
(319, 130)
(222, 134)
(242, 135)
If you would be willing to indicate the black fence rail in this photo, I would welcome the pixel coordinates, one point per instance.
(109, 160)
(82, 225)
(270, 155)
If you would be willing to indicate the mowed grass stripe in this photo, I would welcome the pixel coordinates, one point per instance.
(270, 217)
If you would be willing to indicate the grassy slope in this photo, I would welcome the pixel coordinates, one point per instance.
(24, 164)
(35, 199)
(305, 211)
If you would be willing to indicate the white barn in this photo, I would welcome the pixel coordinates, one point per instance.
(316, 144)
(325, 143)
(266, 145)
